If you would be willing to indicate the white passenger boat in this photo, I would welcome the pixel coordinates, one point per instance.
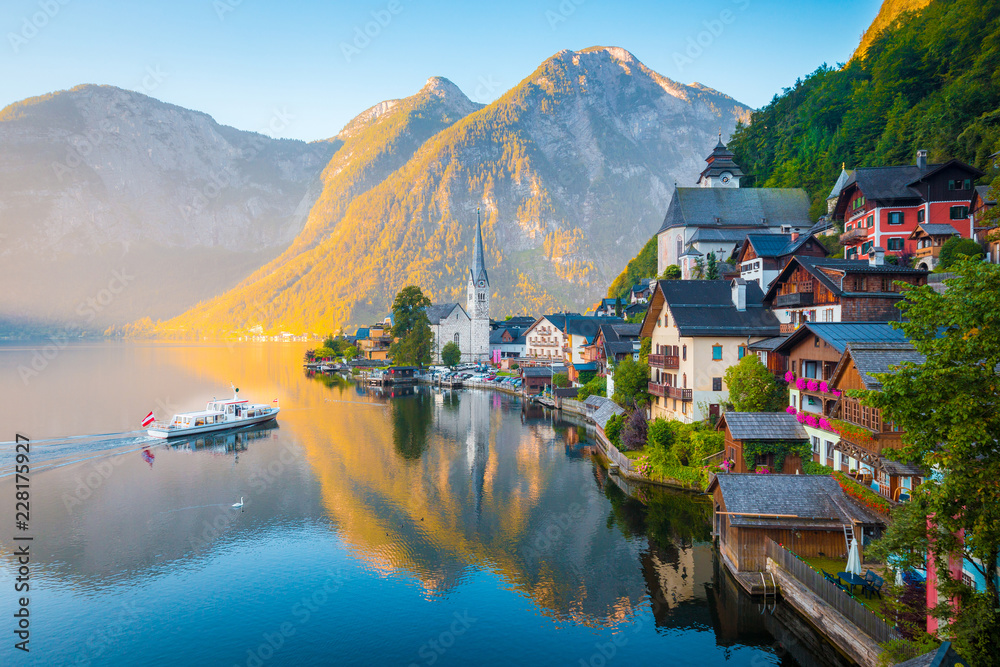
(217, 416)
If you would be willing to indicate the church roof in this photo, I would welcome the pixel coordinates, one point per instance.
(753, 208)
(841, 182)
(478, 270)
(440, 311)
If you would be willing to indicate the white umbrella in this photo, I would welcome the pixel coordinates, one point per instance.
(899, 576)
(854, 559)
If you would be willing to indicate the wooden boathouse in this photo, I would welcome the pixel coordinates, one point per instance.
(808, 514)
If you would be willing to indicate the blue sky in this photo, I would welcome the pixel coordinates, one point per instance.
(247, 62)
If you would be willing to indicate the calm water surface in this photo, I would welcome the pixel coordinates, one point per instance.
(425, 529)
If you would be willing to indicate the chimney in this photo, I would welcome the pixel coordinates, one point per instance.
(795, 237)
(877, 256)
(922, 159)
(740, 294)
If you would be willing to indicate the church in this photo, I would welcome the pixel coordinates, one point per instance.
(717, 214)
(468, 327)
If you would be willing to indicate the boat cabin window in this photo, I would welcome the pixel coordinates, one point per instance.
(229, 409)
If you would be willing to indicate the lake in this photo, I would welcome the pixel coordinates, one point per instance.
(426, 528)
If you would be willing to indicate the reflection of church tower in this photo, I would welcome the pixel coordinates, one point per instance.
(479, 301)
(477, 444)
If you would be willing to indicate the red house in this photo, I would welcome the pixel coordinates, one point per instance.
(882, 206)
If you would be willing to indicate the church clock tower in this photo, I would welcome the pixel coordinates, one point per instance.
(479, 300)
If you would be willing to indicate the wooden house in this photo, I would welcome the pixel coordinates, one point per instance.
(813, 352)
(810, 289)
(808, 514)
(762, 256)
(930, 238)
(770, 432)
(865, 434)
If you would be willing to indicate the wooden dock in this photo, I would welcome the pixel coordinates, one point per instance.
(754, 583)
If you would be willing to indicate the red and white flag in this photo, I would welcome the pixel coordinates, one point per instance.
(148, 419)
(275, 401)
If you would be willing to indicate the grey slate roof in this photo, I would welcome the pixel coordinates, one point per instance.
(721, 160)
(839, 334)
(705, 308)
(587, 326)
(775, 245)
(478, 269)
(605, 410)
(737, 207)
(871, 358)
(846, 266)
(984, 194)
(764, 426)
(594, 401)
(717, 235)
(634, 308)
(768, 344)
(841, 182)
(937, 228)
(439, 311)
(814, 499)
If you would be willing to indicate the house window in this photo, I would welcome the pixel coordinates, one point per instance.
(815, 443)
(829, 449)
(870, 221)
(685, 378)
(456, 339)
(716, 384)
(895, 243)
(866, 247)
(717, 353)
(960, 184)
(852, 253)
(959, 212)
(684, 353)
(815, 341)
(741, 352)
(680, 245)
(921, 215)
(968, 580)
(809, 369)
(896, 218)
(684, 407)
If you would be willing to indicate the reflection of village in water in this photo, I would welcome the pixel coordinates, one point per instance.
(556, 543)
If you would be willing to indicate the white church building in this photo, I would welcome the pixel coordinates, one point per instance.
(468, 327)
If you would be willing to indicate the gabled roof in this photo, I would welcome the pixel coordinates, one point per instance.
(806, 500)
(496, 336)
(762, 426)
(588, 327)
(478, 269)
(634, 308)
(894, 184)
(440, 311)
(768, 344)
(775, 245)
(839, 334)
(605, 410)
(720, 160)
(362, 333)
(934, 229)
(841, 182)
(737, 207)
(618, 338)
(705, 308)
(872, 358)
(840, 266)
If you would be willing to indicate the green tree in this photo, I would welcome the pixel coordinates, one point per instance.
(631, 383)
(751, 385)
(618, 306)
(699, 269)
(597, 386)
(947, 410)
(954, 249)
(560, 380)
(351, 353)
(411, 330)
(671, 272)
(451, 354)
(711, 267)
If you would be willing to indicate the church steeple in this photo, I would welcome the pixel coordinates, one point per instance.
(722, 171)
(478, 270)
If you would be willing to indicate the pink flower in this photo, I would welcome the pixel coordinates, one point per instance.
(800, 384)
(824, 387)
(813, 385)
(824, 424)
(801, 418)
(791, 410)
(812, 421)
(836, 392)
(789, 376)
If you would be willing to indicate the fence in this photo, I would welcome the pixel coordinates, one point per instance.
(855, 612)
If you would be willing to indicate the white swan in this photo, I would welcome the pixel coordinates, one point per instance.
(239, 504)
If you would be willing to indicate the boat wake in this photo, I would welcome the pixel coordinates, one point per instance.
(58, 452)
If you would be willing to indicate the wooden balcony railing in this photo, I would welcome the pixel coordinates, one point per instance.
(853, 236)
(788, 328)
(793, 300)
(666, 361)
(678, 393)
(657, 389)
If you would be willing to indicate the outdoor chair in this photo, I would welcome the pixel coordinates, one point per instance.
(833, 580)
(875, 586)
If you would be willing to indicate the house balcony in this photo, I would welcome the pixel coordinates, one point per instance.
(853, 236)
(665, 361)
(788, 328)
(793, 300)
(666, 391)
(657, 389)
(930, 251)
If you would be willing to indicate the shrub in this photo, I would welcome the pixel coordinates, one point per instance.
(956, 247)
(598, 386)
(613, 429)
(560, 380)
(813, 468)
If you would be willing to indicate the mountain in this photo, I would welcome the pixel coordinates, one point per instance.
(887, 14)
(116, 206)
(928, 81)
(573, 169)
